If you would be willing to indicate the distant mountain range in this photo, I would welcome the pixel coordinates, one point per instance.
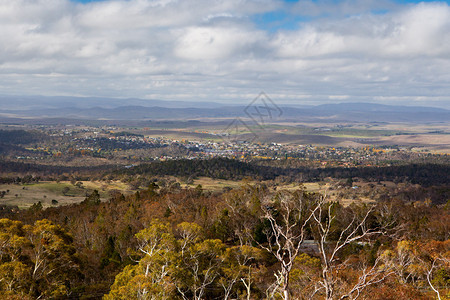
(47, 102)
(138, 109)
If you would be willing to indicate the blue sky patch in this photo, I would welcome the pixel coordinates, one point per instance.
(276, 20)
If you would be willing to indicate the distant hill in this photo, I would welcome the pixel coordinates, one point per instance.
(59, 102)
(138, 109)
(370, 112)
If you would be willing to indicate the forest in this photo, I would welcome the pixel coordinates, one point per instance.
(223, 168)
(427, 174)
(97, 213)
(255, 242)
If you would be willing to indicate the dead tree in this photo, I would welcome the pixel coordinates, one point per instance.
(356, 231)
(288, 215)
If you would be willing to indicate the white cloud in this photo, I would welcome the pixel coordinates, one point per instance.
(215, 43)
(214, 50)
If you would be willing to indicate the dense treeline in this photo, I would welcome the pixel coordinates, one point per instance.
(222, 168)
(21, 137)
(423, 174)
(126, 133)
(111, 145)
(12, 149)
(49, 170)
(172, 243)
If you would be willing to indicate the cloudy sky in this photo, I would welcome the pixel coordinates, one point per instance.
(299, 52)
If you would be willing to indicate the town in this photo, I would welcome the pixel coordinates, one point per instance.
(131, 146)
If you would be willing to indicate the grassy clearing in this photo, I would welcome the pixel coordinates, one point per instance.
(64, 192)
(216, 185)
(58, 188)
(309, 186)
(347, 202)
(26, 195)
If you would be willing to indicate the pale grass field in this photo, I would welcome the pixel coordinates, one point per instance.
(26, 195)
(216, 185)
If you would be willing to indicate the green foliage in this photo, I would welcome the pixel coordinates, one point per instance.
(126, 133)
(221, 226)
(36, 207)
(442, 278)
(259, 232)
(93, 198)
(12, 240)
(181, 264)
(15, 277)
(21, 136)
(224, 168)
(168, 212)
(306, 268)
(110, 254)
(149, 247)
(53, 259)
(36, 260)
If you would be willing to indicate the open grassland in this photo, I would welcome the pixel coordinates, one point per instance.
(216, 185)
(63, 192)
(26, 195)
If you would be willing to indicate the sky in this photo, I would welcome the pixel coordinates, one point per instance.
(297, 52)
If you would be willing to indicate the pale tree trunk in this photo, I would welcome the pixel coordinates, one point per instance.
(355, 231)
(286, 295)
(287, 232)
